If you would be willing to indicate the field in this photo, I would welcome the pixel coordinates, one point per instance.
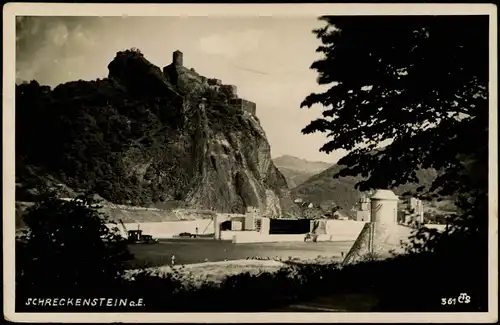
(190, 251)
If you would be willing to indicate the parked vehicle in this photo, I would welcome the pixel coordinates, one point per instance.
(137, 237)
(187, 234)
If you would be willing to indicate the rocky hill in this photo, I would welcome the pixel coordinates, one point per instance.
(147, 136)
(296, 170)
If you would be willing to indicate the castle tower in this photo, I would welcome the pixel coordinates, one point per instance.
(384, 206)
(177, 59)
(382, 234)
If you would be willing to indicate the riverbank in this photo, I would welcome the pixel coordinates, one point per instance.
(193, 251)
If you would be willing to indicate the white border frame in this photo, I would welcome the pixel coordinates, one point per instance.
(284, 10)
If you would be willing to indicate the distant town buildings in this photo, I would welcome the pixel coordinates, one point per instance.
(412, 210)
(416, 211)
(363, 213)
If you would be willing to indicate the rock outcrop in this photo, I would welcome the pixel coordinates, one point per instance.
(146, 137)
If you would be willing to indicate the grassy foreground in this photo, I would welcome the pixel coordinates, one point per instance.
(413, 283)
(79, 257)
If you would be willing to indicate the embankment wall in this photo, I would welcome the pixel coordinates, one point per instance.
(169, 229)
(336, 230)
(344, 230)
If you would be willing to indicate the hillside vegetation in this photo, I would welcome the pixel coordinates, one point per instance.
(138, 138)
(323, 187)
(296, 170)
(299, 164)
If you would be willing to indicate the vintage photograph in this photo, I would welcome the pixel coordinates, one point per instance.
(308, 163)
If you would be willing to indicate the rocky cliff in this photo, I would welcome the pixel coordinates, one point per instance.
(147, 137)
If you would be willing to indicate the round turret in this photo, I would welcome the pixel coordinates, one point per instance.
(384, 207)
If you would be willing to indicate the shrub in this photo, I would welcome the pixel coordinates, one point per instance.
(69, 248)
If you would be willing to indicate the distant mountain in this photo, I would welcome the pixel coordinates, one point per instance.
(323, 189)
(297, 170)
(299, 164)
(293, 177)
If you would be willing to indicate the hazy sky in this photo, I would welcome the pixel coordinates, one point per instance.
(267, 58)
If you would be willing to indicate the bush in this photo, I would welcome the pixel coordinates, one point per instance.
(68, 248)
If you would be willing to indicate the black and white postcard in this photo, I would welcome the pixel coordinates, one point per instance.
(250, 163)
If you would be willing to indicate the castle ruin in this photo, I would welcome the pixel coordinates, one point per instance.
(177, 58)
(181, 76)
(244, 105)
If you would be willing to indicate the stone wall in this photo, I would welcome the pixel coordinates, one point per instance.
(214, 82)
(245, 105)
(230, 90)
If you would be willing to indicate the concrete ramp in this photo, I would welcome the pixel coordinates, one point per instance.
(379, 240)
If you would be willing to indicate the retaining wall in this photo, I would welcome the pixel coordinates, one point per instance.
(169, 229)
(336, 230)
(228, 234)
(255, 237)
(344, 230)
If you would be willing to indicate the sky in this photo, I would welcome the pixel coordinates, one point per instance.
(267, 58)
